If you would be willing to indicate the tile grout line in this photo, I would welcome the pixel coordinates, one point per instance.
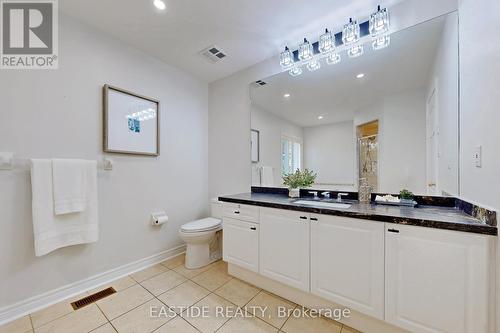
(31, 322)
(152, 276)
(288, 318)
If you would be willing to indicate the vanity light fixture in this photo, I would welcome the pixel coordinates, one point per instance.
(313, 65)
(381, 42)
(159, 4)
(326, 42)
(286, 58)
(379, 22)
(295, 71)
(379, 27)
(305, 50)
(351, 39)
(333, 58)
(355, 51)
(350, 33)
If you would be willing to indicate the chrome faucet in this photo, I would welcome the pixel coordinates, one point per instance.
(315, 194)
(339, 196)
(326, 194)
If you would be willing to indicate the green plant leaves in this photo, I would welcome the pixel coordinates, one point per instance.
(299, 178)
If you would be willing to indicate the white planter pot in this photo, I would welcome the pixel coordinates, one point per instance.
(294, 192)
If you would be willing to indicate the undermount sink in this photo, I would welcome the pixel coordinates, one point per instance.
(337, 205)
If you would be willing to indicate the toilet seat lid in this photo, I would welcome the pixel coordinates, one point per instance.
(206, 224)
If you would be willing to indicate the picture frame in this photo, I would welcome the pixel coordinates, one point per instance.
(131, 123)
(255, 145)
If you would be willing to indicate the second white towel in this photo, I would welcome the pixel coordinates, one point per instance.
(69, 178)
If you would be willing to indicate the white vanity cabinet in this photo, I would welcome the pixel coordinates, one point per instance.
(437, 280)
(284, 246)
(240, 238)
(420, 279)
(347, 262)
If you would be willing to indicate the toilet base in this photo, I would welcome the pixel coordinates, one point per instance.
(197, 255)
(200, 248)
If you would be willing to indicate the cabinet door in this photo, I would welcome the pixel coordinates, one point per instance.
(437, 280)
(347, 262)
(284, 247)
(241, 243)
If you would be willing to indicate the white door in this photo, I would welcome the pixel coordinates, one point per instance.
(240, 244)
(347, 262)
(437, 280)
(432, 144)
(284, 247)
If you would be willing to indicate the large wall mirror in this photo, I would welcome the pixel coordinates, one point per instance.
(390, 116)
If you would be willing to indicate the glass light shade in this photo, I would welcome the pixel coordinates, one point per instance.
(350, 33)
(355, 51)
(313, 65)
(381, 42)
(295, 71)
(286, 58)
(333, 58)
(326, 42)
(305, 50)
(379, 22)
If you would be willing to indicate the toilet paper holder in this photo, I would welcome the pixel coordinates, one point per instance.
(158, 218)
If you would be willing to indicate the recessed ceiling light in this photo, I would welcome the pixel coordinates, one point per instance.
(286, 95)
(159, 4)
(320, 117)
(360, 75)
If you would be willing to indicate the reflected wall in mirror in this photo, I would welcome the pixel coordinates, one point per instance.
(390, 116)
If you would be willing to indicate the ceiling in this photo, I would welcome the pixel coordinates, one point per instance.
(247, 31)
(335, 93)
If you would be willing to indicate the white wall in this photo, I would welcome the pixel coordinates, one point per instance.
(330, 150)
(401, 140)
(271, 129)
(58, 113)
(480, 106)
(444, 78)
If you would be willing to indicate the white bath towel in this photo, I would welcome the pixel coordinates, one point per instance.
(267, 176)
(55, 231)
(69, 179)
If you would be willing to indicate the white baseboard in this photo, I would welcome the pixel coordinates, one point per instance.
(39, 302)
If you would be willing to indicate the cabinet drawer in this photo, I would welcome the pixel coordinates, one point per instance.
(241, 212)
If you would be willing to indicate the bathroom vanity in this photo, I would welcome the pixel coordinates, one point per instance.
(424, 269)
(388, 119)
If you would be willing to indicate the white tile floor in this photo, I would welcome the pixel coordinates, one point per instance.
(171, 285)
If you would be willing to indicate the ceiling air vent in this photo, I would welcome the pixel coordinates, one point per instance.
(259, 83)
(213, 54)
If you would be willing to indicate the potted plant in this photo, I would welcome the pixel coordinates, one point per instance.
(406, 197)
(295, 180)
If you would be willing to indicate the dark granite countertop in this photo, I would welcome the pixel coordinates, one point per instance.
(449, 218)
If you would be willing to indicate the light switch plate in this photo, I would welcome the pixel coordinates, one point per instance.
(478, 156)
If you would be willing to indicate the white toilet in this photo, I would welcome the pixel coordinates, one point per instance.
(202, 240)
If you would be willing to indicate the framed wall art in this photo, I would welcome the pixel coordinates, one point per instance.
(131, 123)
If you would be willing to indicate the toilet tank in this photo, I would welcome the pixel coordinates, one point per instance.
(216, 208)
